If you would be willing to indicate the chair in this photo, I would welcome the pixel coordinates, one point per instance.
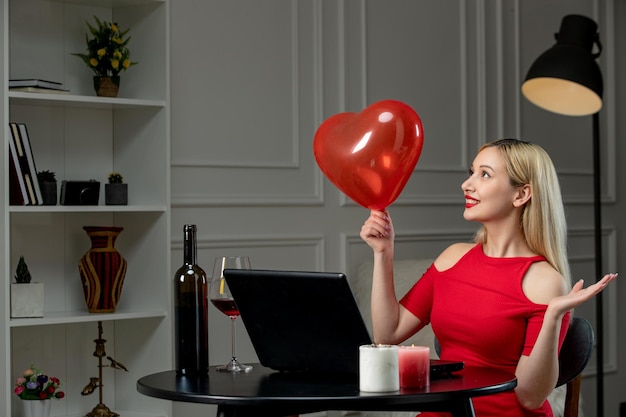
(575, 354)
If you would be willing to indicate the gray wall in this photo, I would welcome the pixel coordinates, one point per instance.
(252, 80)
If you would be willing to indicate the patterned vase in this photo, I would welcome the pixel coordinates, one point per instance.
(102, 269)
(36, 408)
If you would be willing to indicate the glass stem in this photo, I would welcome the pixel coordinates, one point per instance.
(232, 336)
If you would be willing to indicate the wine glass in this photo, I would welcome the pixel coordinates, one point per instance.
(222, 299)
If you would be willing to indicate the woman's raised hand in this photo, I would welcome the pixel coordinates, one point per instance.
(377, 231)
(579, 295)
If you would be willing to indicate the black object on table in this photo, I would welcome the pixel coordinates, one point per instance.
(269, 393)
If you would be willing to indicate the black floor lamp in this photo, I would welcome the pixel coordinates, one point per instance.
(566, 79)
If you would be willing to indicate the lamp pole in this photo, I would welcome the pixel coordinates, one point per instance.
(566, 79)
(597, 214)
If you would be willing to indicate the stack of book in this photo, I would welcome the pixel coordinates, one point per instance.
(23, 185)
(37, 86)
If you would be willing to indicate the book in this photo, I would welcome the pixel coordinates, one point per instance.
(39, 90)
(32, 167)
(18, 195)
(33, 82)
(30, 180)
(22, 165)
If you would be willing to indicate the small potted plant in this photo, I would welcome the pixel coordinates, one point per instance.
(107, 55)
(27, 298)
(36, 389)
(48, 186)
(35, 385)
(116, 191)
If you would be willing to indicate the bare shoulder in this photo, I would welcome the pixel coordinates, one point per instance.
(451, 255)
(542, 283)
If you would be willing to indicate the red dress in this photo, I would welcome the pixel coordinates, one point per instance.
(481, 316)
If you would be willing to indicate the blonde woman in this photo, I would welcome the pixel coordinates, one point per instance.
(503, 301)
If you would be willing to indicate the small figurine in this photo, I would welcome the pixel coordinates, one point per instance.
(115, 364)
(91, 386)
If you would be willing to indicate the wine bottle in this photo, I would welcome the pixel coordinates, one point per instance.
(191, 311)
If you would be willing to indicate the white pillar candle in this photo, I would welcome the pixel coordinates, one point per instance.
(378, 368)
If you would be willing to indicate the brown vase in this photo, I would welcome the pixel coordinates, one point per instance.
(102, 269)
(106, 86)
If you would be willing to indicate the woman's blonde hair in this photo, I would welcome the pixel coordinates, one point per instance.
(543, 217)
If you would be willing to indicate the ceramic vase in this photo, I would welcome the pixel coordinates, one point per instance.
(102, 269)
(106, 86)
(36, 408)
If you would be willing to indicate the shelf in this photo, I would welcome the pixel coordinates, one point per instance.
(68, 100)
(125, 413)
(89, 209)
(69, 317)
(78, 136)
(109, 3)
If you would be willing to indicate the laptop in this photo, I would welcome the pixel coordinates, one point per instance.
(302, 321)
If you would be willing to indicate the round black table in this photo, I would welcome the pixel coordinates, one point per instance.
(269, 393)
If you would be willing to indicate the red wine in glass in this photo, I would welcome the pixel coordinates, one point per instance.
(226, 306)
(220, 296)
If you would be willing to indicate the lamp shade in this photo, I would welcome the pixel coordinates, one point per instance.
(566, 78)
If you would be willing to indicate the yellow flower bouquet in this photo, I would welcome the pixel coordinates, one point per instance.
(108, 53)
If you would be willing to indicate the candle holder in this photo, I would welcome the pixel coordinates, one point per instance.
(101, 410)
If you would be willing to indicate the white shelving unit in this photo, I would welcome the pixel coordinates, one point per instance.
(79, 137)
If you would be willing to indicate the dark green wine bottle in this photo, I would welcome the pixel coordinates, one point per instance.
(191, 311)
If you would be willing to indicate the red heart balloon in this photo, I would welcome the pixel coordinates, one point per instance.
(370, 155)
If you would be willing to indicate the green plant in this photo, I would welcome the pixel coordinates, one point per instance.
(34, 385)
(107, 52)
(46, 176)
(115, 178)
(22, 274)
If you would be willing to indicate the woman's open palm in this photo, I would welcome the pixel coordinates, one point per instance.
(579, 295)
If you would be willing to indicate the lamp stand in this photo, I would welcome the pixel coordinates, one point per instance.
(567, 80)
(597, 211)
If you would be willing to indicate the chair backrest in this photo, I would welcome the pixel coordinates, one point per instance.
(575, 353)
(573, 358)
(576, 350)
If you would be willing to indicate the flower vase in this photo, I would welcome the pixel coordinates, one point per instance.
(106, 86)
(102, 269)
(36, 408)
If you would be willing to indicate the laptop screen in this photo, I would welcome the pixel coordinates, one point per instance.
(300, 321)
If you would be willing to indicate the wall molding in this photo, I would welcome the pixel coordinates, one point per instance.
(305, 200)
(314, 242)
(300, 167)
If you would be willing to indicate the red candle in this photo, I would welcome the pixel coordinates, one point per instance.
(414, 366)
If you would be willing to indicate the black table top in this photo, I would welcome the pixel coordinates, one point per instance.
(299, 393)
